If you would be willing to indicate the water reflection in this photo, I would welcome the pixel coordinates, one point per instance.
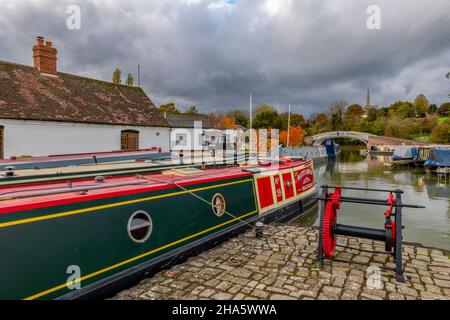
(430, 226)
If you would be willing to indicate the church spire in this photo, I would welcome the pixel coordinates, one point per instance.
(368, 99)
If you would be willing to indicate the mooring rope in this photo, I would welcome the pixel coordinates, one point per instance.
(198, 197)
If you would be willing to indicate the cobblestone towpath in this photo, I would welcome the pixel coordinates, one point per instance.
(282, 265)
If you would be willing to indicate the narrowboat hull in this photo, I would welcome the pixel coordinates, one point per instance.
(83, 245)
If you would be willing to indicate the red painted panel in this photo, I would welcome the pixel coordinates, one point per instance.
(304, 179)
(288, 185)
(279, 193)
(265, 192)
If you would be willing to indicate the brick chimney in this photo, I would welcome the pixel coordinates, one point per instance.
(44, 56)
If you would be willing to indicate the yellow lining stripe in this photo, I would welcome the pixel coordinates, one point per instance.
(112, 205)
(137, 257)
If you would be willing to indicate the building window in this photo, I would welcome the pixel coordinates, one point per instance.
(129, 140)
(181, 140)
(140, 226)
(2, 141)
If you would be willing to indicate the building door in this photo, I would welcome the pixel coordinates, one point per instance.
(2, 142)
(129, 140)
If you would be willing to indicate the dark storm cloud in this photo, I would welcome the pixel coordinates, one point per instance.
(213, 53)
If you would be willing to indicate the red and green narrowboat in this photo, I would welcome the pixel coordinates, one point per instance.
(94, 237)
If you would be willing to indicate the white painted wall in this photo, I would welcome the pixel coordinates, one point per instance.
(41, 138)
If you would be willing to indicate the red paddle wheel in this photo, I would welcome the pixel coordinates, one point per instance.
(329, 222)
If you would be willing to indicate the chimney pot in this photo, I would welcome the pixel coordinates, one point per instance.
(40, 40)
(48, 43)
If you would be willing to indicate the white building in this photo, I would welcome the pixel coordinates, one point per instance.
(45, 112)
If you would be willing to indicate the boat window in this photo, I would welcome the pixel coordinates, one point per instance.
(218, 204)
(140, 226)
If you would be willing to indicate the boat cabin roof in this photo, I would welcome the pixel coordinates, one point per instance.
(18, 198)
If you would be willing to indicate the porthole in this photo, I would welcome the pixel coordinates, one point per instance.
(157, 133)
(140, 226)
(218, 204)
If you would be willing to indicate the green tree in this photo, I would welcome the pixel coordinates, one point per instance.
(117, 76)
(401, 109)
(240, 117)
(130, 80)
(444, 109)
(372, 114)
(192, 110)
(420, 106)
(169, 108)
(266, 116)
(432, 109)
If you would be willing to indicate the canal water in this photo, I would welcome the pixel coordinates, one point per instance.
(430, 226)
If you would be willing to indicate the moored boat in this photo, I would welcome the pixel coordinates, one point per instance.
(89, 238)
(63, 160)
(437, 158)
(333, 149)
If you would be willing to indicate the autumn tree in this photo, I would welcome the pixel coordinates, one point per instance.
(117, 76)
(353, 117)
(239, 117)
(322, 122)
(169, 108)
(295, 137)
(130, 80)
(226, 123)
(441, 133)
(420, 106)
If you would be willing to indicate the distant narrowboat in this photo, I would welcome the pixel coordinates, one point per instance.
(437, 158)
(89, 239)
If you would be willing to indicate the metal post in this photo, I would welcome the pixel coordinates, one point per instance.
(398, 237)
(235, 151)
(224, 148)
(181, 155)
(324, 196)
(203, 149)
(192, 155)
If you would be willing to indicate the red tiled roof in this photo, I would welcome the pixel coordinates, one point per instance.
(26, 94)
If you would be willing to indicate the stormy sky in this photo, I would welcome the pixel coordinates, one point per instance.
(213, 53)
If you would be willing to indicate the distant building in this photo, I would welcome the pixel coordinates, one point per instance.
(44, 111)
